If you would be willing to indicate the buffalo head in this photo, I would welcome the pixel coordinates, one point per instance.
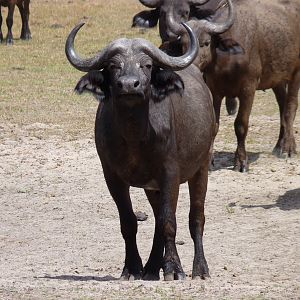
(170, 14)
(128, 73)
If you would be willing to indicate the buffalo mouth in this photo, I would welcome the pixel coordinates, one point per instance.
(131, 100)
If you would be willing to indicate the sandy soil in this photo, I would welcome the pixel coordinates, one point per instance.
(60, 237)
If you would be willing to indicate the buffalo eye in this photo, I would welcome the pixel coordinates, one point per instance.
(185, 14)
(146, 66)
(115, 67)
(206, 44)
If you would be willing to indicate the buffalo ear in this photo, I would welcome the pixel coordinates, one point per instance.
(165, 82)
(146, 18)
(229, 46)
(92, 83)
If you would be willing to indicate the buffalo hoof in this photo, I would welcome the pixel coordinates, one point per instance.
(241, 167)
(9, 42)
(280, 153)
(174, 276)
(26, 37)
(127, 276)
(130, 277)
(200, 269)
(151, 276)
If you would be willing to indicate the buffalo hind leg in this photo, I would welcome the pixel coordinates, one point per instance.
(197, 189)
(155, 261)
(217, 101)
(281, 96)
(120, 192)
(286, 145)
(9, 23)
(241, 125)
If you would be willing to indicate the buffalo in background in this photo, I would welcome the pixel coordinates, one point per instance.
(257, 49)
(183, 11)
(23, 6)
(154, 130)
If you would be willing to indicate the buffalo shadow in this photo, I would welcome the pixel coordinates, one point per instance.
(288, 201)
(80, 278)
(225, 160)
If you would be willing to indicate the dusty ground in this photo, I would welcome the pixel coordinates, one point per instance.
(59, 229)
(60, 238)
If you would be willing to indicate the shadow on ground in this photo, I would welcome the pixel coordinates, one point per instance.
(80, 278)
(288, 201)
(225, 160)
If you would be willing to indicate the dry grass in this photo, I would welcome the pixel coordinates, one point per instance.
(36, 80)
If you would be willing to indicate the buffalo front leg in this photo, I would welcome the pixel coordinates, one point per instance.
(286, 145)
(9, 23)
(155, 261)
(167, 223)
(24, 12)
(241, 125)
(120, 192)
(197, 188)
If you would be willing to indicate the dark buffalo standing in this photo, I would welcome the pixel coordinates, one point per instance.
(183, 10)
(154, 130)
(260, 51)
(23, 6)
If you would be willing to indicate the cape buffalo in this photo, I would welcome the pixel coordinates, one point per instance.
(261, 50)
(23, 6)
(154, 130)
(183, 10)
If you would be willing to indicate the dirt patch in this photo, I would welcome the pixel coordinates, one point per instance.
(60, 237)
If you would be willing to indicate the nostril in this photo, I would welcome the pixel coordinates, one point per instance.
(136, 84)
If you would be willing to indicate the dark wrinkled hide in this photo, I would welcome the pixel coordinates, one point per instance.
(23, 6)
(154, 130)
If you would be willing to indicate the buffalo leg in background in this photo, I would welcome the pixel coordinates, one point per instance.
(286, 144)
(9, 23)
(24, 12)
(281, 96)
(197, 189)
(1, 34)
(241, 125)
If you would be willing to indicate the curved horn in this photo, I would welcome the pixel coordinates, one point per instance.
(150, 3)
(171, 62)
(88, 64)
(215, 28)
(174, 27)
